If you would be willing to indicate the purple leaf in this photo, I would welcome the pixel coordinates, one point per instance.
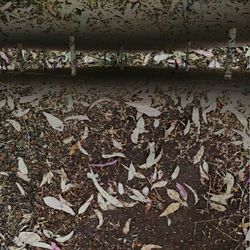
(54, 246)
(182, 191)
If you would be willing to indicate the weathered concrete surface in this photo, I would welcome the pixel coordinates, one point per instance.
(133, 25)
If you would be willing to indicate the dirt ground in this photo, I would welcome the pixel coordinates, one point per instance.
(140, 159)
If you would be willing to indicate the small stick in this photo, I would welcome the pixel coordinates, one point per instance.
(72, 55)
(20, 56)
(230, 54)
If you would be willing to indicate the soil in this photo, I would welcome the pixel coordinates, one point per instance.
(43, 149)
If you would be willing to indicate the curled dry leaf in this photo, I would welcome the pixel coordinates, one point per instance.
(10, 103)
(175, 173)
(199, 155)
(114, 201)
(54, 246)
(62, 239)
(100, 217)
(151, 112)
(100, 101)
(173, 207)
(20, 112)
(140, 128)
(196, 198)
(117, 144)
(85, 206)
(54, 122)
(126, 228)
(81, 148)
(138, 196)
(58, 205)
(174, 195)
(101, 202)
(220, 198)
(16, 125)
(22, 170)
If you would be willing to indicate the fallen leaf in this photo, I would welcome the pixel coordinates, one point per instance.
(196, 198)
(175, 173)
(156, 123)
(58, 205)
(54, 246)
(100, 101)
(120, 188)
(114, 201)
(31, 98)
(2, 103)
(77, 117)
(151, 159)
(16, 125)
(187, 128)
(20, 188)
(196, 119)
(217, 207)
(81, 148)
(47, 178)
(173, 207)
(174, 195)
(126, 228)
(108, 156)
(151, 112)
(229, 181)
(182, 191)
(159, 184)
(62, 239)
(199, 155)
(150, 247)
(220, 198)
(101, 202)
(138, 196)
(117, 144)
(10, 103)
(131, 172)
(99, 216)
(85, 206)
(54, 122)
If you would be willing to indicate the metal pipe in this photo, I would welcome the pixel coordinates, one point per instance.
(131, 24)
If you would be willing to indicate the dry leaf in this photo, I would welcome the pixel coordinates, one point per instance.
(217, 207)
(117, 144)
(174, 195)
(54, 122)
(196, 119)
(10, 103)
(2, 103)
(182, 191)
(20, 189)
(175, 173)
(16, 125)
(47, 178)
(81, 148)
(156, 123)
(105, 195)
(229, 181)
(150, 247)
(220, 198)
(77, 117)
(108, 156)
(58, 205)
(187, 128)
(196, 198)
(99, 216)
(62, 239)
(120, 189)
(126, 228)
(85, 206)
(199, 155)
(159, 184)
(100, 101)
(101, 202)
(173, 207)
(131, 172)
(151, 112)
